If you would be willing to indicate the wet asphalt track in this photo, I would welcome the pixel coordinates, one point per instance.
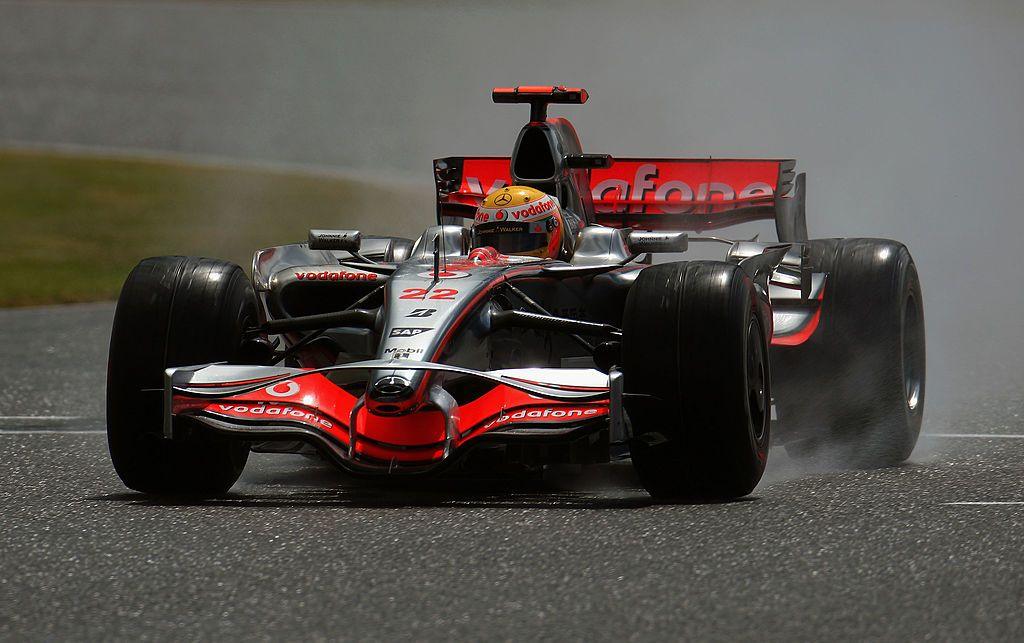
(296, 553)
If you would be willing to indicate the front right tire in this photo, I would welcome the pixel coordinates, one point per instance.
(173, 311)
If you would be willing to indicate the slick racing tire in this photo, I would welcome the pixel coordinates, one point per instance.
(854, 392)
(173, 311)
(696, 380)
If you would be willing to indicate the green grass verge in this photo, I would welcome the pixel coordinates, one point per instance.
(74, 226)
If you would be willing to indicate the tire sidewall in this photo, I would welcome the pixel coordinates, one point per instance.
(843, 391)
(173, 311)
(686, 332)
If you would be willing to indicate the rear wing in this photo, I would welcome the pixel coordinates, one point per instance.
(653, 194)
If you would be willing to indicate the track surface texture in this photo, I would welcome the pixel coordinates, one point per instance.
(297, 552)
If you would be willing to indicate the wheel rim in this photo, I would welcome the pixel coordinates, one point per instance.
(913, 354)
(757, 398)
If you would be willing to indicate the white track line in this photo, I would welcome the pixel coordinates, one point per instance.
(998, 436)
(48, 432)
(39, 418)
(35, 420)
(1010, 502)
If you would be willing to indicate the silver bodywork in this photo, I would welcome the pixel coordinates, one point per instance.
(434, 324)
(792, 289)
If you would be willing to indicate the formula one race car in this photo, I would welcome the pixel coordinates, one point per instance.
(394, 357)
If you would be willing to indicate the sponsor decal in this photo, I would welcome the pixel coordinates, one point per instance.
(421, 293)
(545, 415)
(444, 274)
(503, 199)
(336, 275)
(422, 312)
(408, 332)
(257, 411)
(528, 212)
(646, 184)
(537, 226)
(286, 388)
(668, 186)
(402, 352)
(508, 228)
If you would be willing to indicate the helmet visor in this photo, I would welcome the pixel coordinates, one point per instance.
(513, 238)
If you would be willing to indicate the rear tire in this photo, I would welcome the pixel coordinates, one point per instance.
(173, 311)
(853, 395)
(697, 380)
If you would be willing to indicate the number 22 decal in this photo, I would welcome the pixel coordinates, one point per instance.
(421, 293)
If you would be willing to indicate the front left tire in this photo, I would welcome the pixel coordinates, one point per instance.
(697, 380)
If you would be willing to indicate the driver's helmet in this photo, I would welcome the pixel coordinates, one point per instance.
(519, 220)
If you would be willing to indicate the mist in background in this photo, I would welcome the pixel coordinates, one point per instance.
(906, 115)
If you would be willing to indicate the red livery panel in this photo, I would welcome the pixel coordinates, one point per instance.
(315, 403)
(692, 194)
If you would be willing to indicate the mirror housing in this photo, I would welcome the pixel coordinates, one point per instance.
(588, 161)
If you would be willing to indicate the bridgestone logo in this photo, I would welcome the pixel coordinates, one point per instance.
(330, 275)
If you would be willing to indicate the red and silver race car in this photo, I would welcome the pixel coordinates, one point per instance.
(392, 357)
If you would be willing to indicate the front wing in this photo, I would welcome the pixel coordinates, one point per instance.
(268, 403)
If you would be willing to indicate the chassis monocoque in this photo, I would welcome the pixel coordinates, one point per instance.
(389, 356)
